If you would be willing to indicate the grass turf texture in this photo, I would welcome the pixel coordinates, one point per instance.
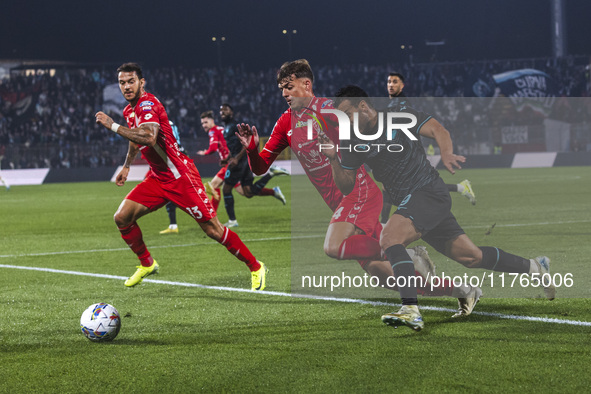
(189, 339)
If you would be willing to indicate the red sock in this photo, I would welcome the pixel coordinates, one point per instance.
(360, 247)
(132, 235)
(267, 192)
(216, 203)
(443, 288)
(234, 244)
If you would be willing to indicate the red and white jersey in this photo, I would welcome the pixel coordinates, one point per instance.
(217, 142)
(166, 162)
(291, 131)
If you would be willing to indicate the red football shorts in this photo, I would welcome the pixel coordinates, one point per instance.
(222, 172)
(361, 208)
(187, 193)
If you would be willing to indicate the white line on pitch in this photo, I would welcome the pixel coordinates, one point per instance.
(313, 297)
(258, 240)
(154, 246)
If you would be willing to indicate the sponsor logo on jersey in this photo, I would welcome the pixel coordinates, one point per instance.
(147, 108)
(144, 103)
(405, 200)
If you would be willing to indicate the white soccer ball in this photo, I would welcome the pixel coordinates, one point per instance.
(100, 322)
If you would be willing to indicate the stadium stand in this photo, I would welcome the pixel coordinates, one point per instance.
(47, 121)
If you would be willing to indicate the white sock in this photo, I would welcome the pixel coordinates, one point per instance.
(461, 188)
(534, 267)
(411, 253)
(173, 226)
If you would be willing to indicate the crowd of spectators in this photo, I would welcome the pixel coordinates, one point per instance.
(53, 123)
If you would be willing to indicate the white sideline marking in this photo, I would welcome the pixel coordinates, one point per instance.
(313, 297)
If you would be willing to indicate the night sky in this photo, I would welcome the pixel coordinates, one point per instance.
(178, 32)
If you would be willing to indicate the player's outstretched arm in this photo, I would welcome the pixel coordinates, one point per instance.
(144, 135)
(249, 138)
(433, 129)
(213, 147)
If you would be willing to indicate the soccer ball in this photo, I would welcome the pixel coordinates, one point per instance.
(100, 322)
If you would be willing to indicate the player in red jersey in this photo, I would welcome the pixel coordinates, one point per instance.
(354, 229)
(172, 177)
(238, 170)
(217, 143)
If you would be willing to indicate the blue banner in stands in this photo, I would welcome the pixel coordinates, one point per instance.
(528, 88)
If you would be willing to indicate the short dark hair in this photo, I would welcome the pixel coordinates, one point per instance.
(207, 114)
(397, 75)
(131, 67)
(300, 68)
(352, 93)
(227, 105)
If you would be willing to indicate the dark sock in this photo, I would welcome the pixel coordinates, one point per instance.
(452, 188)
(386, 208)
(229, 204)
(260, 184)
(171, 209)
(404, 272)
(498, 260)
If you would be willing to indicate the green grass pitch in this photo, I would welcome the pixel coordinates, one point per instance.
(190, 339)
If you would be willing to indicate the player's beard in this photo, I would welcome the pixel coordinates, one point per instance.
(136, 96)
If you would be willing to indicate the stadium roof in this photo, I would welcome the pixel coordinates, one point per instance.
(173, 33)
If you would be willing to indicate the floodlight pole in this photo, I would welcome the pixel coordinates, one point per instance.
(558, 29)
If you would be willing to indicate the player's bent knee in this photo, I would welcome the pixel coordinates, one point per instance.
(121, 220)
(332, 250)
(469, 261)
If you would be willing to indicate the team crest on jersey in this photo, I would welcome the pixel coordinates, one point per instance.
(144, 103)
